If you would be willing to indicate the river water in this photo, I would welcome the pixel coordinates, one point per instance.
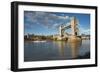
(56, 50)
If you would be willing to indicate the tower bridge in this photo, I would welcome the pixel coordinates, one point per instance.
(73, 25)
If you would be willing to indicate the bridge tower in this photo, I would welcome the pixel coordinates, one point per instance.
(74, 28)
(61, 30)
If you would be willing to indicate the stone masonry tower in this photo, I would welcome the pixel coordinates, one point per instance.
(73, 26)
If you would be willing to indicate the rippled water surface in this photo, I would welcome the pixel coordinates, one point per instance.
(56, 50)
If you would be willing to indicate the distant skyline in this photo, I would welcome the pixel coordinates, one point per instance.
(46, 23)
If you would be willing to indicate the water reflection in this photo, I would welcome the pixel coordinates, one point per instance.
(61, 47)
(56, 50)
(73, 45)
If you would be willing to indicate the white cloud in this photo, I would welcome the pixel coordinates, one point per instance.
(44, 18)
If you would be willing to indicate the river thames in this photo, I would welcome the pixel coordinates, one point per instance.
(56, 50)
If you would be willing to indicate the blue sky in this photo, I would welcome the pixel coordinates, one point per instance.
(47, 23)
